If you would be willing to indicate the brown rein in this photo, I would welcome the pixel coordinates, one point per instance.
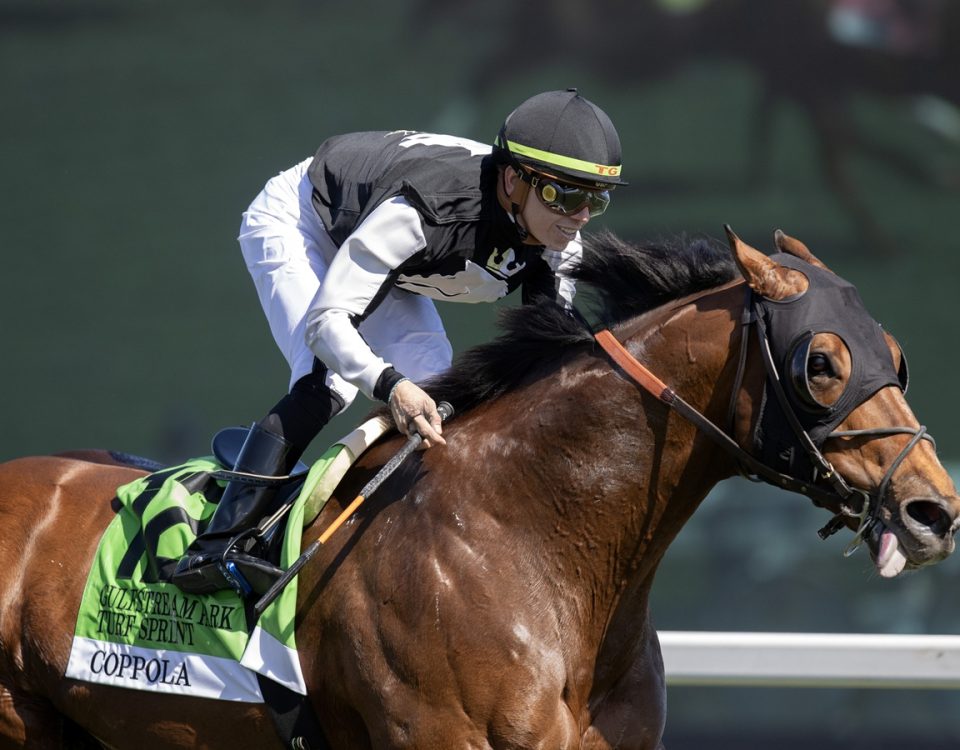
(834, 498)
(653, 385)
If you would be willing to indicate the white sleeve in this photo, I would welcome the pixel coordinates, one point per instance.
(561, 262)
(363, 265)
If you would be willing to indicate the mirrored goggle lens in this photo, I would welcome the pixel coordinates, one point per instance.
(568, 199)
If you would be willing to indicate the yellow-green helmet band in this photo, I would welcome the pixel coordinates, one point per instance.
(564, 162)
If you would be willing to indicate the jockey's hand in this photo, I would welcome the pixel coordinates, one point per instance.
(414, 411)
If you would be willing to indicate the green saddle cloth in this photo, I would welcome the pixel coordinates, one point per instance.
(136, 630)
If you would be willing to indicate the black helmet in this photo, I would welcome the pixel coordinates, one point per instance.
(563, 135)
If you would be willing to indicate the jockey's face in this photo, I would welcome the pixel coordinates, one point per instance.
(550, 228)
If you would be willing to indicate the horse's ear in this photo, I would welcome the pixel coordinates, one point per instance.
(787, 244)
(764, 276)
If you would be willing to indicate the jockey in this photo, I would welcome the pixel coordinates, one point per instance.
(349, 248)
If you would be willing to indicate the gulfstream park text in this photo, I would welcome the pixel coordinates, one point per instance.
(158, 616)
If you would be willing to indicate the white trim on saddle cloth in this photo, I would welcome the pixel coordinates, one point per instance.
(274, 660)
(162, 671)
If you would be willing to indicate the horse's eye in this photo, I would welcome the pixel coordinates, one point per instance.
(818, 365)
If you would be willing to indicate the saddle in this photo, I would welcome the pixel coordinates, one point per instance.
(265, 539)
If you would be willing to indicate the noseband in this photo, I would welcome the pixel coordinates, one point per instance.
(826, 487)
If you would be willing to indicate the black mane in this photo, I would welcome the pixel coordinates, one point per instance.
(624, 279)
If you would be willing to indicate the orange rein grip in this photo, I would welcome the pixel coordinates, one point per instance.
(347, 512)
(633, 368)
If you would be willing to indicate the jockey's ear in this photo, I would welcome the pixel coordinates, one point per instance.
(787, 244)
(764, 276)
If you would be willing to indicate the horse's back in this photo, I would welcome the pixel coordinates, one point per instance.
(53, 511)
(54, 507)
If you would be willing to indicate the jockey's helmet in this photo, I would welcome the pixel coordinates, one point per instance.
(564, 136)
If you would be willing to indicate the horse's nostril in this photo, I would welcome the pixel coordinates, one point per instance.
(930, 514)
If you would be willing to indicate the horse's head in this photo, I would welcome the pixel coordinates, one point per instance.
(835, 414)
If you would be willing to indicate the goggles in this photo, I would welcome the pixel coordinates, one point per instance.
(568, 199)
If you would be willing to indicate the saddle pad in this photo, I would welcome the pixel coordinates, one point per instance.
(354, 445)
(136, 630)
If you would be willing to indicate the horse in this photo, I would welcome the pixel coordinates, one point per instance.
(494, 593)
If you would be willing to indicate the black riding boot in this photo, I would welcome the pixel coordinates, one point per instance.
(208, 565)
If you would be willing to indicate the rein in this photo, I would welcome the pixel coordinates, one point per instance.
(653, 385)
(837, 495)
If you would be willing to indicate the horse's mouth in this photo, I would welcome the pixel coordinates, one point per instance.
(922, 535)
(887, 552)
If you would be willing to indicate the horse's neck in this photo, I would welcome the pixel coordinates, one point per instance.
(631, 472)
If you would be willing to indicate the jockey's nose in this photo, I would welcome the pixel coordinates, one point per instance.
(581, 215)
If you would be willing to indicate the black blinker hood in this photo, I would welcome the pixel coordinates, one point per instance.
(830, 305)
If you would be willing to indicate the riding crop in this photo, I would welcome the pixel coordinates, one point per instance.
(413, 442)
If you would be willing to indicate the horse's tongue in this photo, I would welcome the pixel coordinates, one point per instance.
(890, 559)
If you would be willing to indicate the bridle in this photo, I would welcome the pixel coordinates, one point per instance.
(827, 488)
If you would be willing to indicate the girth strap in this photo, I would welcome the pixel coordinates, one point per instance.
(293, 716)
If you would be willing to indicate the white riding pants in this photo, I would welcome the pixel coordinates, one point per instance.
(287, 251)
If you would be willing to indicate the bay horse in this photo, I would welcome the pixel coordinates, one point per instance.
(494, 593)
